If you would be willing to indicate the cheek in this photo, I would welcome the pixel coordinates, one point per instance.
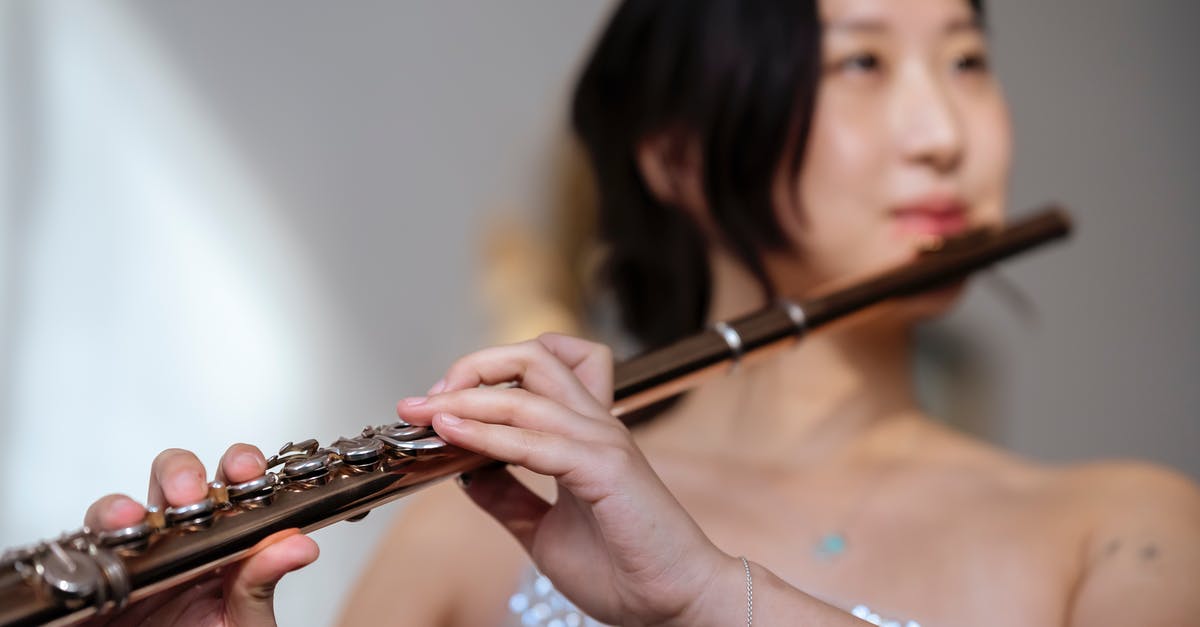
(839, 189)
(990, 161)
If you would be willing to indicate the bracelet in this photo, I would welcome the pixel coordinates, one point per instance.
(749, 593)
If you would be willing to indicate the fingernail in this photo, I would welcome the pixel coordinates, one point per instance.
(464, 480)
(248, 460)
(414, 401)
(448, 419)
(437, 387)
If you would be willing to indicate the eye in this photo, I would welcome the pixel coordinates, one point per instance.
(861, 62)
(972, 62)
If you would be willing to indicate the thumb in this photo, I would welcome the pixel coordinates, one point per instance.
(250, 588)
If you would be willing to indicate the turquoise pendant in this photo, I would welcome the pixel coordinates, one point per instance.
(830, 545)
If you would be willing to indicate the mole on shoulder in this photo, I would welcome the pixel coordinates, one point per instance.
(1149, 552)
(1112, 547)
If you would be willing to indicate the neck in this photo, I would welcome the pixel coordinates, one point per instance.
(840, 394)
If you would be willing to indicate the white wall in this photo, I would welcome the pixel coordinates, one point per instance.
(250, 222)
(1105, 100)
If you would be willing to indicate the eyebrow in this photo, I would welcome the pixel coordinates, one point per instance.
(870, 25)
(970, 24)
(858, 25)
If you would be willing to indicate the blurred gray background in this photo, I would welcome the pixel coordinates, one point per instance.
(260, 221)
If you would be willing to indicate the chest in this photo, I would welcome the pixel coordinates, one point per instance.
(941, 551)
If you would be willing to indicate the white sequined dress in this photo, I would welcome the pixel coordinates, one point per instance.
(536, 603)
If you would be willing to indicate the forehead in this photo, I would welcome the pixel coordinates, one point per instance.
(910, 16)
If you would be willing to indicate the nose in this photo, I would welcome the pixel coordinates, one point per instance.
(928, 122)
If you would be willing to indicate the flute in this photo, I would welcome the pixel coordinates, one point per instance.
(308, 486)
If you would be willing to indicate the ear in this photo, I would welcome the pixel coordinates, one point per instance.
(670, 163)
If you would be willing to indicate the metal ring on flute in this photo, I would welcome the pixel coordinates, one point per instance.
(733, 340)
(796, 313)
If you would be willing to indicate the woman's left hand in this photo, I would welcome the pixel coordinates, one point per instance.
(616, 542)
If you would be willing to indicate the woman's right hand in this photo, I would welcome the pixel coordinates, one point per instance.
(241, 594)
(615, 541)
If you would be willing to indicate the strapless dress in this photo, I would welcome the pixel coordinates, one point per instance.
(536, 603)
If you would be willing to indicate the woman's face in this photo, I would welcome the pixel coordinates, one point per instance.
(910, 137)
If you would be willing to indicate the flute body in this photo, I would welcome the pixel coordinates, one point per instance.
(308, 486)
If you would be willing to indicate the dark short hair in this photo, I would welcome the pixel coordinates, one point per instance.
(739, 76)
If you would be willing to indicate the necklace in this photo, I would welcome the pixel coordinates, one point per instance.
(833, 543)
(830, 545)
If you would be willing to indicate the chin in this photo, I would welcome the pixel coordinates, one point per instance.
(932, 304)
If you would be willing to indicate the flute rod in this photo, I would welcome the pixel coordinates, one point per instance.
(177, 554)
(677, 367)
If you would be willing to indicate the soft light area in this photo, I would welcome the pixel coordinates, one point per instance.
(150, 310)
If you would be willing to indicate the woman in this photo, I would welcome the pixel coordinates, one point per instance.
(742, 150)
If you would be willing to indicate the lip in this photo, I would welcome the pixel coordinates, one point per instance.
(931, 215)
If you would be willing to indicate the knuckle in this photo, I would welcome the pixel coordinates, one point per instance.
(466, 365)
(515, 400)
(614, 433)
(549, 339)
(457, 364)
(262, 592)
(537, 351)
(528, 444)
(615, 456)
(516, 394)
(604, 352)
(504, 406)
(456, 369)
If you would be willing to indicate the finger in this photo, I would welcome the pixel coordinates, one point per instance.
(513, 406)
(530, 364)
(176, 478)
(250, 588)
(543, 453)
(591, 362)
(512, 504)
(241, 462)
(115, 511)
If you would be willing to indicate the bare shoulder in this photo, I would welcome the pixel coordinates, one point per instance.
(1108, 498)
(1142, 551)
(444, 560)
(1107, 492)
(1123, 492)
(1131, 508)
(1127, 532)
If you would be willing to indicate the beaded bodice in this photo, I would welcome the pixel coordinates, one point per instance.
(536, 603)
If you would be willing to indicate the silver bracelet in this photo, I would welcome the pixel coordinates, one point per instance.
(749, 593)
